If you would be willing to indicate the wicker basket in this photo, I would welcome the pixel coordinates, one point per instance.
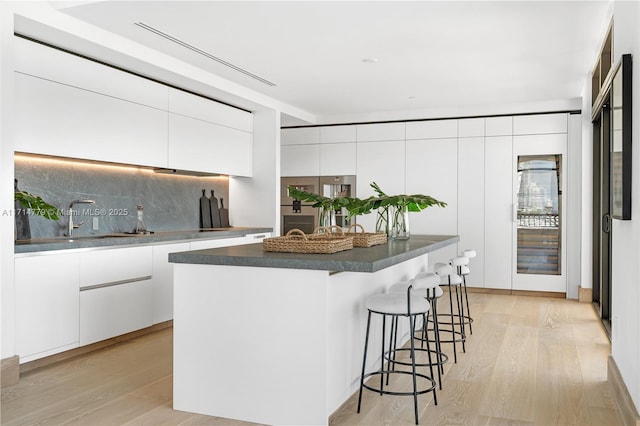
(365, 239)
(297, 241)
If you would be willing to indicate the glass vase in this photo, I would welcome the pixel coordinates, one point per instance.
(400, 226)
(326, 217)
(383, 221)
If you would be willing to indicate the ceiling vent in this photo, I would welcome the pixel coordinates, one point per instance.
(202, 52)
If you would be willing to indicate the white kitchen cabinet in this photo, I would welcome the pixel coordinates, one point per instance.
(498, 211)
(432, 169)
(471, 196)
(300, 136)
(193, 106)
(52, 64)
(380, 132)
(338, 159)
(163, 280)
(116, 292)
(337, 134)
(432, 129)
(61, 120)
(383, 163)
(540, 124)
(207, 147)
(112, 265)
(47, 305)
(113, 310)
(300, 160)
(498, 126)
(470, 127)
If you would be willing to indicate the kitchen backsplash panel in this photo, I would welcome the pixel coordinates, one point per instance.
(171, 202)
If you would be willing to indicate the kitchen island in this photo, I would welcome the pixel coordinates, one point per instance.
(277, 338)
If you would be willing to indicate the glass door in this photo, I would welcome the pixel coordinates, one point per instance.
(539, 214)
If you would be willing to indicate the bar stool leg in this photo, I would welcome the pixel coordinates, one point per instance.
(453, 327)
(364, 359)
(466, 296)
(463, 336)
(384, 326)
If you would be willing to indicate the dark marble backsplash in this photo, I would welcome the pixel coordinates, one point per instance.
(171, 202)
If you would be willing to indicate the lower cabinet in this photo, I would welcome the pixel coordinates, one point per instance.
(116, 292)
(46, 305)
(66, 300)
(113, 310)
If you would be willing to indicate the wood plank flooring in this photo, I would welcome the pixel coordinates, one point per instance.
(530, 361)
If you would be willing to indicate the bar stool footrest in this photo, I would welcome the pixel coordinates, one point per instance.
(430, 388)
(445, 357)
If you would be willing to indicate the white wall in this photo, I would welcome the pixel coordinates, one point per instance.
(253, 198)
(625, 285)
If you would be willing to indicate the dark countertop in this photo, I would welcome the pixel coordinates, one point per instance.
(358, 259)
(122, 239)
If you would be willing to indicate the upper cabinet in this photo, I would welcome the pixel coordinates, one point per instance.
(300, 136)
(208, 147)
(380, 132)
(56, 119)
(52, 64)
(209, 136)
(540, 124)
(69, 106)
(189, 105)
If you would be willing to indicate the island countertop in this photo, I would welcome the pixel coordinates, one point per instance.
(370, 259)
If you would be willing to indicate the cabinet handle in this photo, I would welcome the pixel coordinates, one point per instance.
(114, 283)
(259, 236)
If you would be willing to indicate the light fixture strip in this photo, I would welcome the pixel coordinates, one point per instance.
(202, 52)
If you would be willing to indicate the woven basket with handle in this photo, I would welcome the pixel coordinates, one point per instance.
(296, 241)
(365, 239)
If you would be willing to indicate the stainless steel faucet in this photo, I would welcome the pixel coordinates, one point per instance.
(71, 226)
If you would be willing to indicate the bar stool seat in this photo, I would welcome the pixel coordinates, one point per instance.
(410, 305)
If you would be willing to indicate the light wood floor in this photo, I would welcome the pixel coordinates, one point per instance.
(530, 361)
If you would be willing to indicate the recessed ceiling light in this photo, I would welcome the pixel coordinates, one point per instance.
(412, 97)
(369, 60)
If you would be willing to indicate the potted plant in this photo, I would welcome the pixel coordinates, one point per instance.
(392, 210)
(27, 204)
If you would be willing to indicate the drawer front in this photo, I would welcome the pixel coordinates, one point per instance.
(118, 309)
(109, 266)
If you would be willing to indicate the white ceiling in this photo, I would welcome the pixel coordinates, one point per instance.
(430, 55)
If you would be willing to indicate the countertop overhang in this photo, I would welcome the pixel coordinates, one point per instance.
(358, 259)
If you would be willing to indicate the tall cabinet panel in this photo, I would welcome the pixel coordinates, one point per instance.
(383, 163)
(471, 199)
(498, 211)
(432, 166)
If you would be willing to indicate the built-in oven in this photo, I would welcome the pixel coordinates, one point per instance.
(297, 214)
(305, 219)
